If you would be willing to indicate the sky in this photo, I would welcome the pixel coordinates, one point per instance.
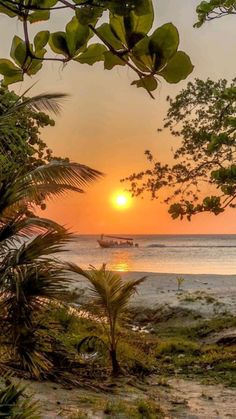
(107, 124)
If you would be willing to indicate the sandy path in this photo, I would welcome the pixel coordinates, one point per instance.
(181, 399)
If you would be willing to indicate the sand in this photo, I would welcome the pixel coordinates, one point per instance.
(162, 289)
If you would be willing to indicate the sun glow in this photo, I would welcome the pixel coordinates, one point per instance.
(121, 200)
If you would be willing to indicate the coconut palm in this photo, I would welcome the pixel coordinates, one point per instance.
(111, 296)
(30, 275)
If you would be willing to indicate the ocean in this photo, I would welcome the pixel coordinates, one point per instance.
(180, 254)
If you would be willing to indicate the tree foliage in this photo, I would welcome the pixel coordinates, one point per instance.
(124, 39)
(214, 9)
(203, 116)
(21, 121)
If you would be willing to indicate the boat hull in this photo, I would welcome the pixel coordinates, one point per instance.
(106, 245)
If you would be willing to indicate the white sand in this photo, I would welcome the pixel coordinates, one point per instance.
(161, 289)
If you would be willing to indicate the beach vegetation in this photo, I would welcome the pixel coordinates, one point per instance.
(180, 280)
(30, 275)
(22, 119)
(143, 409)
(110, 295)
(14, 402)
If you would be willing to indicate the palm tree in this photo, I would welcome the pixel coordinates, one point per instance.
(30, 274)
(111, 296)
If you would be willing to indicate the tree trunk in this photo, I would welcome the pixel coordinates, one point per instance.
(116, 370)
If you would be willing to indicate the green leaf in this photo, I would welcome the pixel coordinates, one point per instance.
(141, 55)
(143, 23)
(77, 36)
(38, 16)
(18, 51)
(92, 54)
(89, 14)
(148, 83)
(178, 68)
(34, 67)
(41, 39)
(164, 41)
(58, 44)
(111, 60)
(130, 29)
(106, 33)
(10, 71)
(8, 12)
(118, 28)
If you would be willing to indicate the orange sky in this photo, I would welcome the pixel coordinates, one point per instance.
(108, 124)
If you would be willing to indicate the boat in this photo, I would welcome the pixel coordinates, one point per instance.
(116, 242)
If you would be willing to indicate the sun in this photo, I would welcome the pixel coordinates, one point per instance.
(121, 200)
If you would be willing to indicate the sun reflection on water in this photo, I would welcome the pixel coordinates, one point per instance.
(121, 261)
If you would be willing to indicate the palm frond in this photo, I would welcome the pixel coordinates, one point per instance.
(49, 102)
(108, 290)
(64, 173)
(41, 246)
(18, 227)
(52, 179)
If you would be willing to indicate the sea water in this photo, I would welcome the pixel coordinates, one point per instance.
(193, 254)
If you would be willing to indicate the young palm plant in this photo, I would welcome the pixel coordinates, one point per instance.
(111, 296)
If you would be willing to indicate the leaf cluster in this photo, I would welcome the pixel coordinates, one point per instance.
(124, 40)
(214, 9)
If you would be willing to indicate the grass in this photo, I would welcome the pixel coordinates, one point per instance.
(171, 350)
(120, 409)
(197, 296)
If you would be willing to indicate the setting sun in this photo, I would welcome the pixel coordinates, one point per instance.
(121, 200)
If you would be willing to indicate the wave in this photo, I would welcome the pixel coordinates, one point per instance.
(157, 245)
(192, 246)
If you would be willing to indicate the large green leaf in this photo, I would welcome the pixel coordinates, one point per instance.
(141, 55)
(111, 60)
(18, 50)
(178, 68)
(118, 28)
(148, 83)
(38, 16)
(107, 34)
(77, 36)
(131, 28)
(8, 12)
(10, 71)
(92, 54)
(164, 41)
(41, 39)
(58, 44)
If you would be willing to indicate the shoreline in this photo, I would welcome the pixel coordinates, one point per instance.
(205, 294)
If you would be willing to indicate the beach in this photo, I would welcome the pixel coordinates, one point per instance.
(206, 294)
(160, 306)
